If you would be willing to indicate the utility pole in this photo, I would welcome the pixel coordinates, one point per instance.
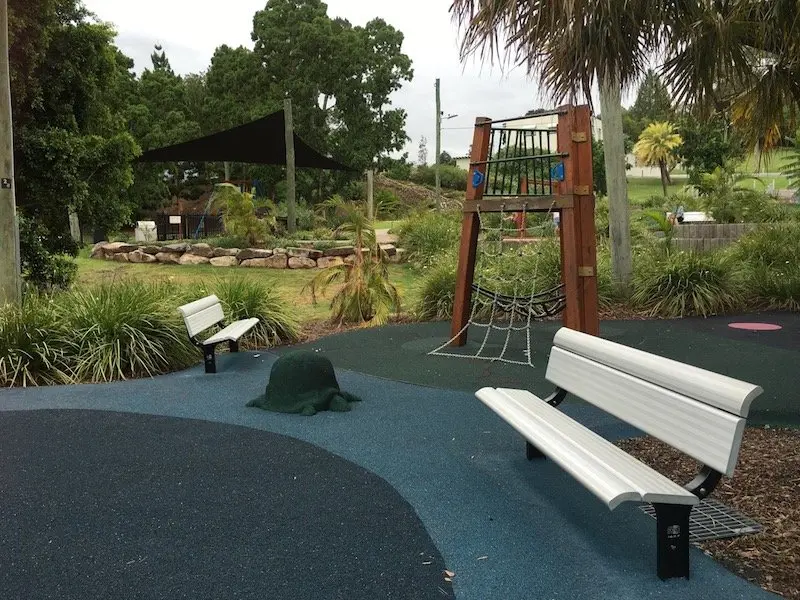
(291, 224)
(370, 195)
(438, 139)
(10, 280)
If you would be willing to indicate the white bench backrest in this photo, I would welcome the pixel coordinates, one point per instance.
(696, 411)
(201, 314)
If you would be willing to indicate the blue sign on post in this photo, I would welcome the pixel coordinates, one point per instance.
(477, 179)
(557, 172)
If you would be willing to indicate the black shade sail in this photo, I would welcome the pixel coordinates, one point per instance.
(261, 141)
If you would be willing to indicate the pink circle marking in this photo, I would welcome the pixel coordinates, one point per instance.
(755, 326)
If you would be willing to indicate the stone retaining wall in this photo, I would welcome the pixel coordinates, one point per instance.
(699, 237)
(201, 253)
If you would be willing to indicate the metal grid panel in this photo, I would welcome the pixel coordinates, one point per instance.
(713, 520)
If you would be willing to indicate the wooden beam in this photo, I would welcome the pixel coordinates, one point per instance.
(518, 203)
(586, 241)
(469, 235)
(570, 260)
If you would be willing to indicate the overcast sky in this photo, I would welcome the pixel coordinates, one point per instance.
(189, 31)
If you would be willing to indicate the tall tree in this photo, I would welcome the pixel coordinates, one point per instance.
(72, 147)
(653, 104)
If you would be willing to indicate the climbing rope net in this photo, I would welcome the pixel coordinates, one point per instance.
(516, 284)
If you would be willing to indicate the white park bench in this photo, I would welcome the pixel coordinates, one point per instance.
(206, 313)
(698, 412)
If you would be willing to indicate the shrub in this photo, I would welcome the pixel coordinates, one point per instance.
(244, 298)
(41, 268)
(682, 284)
(437, 292)
(227, 241)
(366, 296)
(387, 204)
(601, 217)
(32, 347)
(771, 257)
(240, 216)
(125, 329)
(427, 235)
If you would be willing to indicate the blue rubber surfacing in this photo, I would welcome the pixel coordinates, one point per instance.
(508, 528)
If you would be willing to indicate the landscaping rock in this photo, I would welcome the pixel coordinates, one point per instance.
(169, 258)
(301, 262)
(277, 261)
(349, 260)
(120, 257)
(225, 261)
(326, 262)
(176, 248)
(340, 251)
(141, 257)
(226, 251)
(201, 249)
(150, 249)
(304, 252)
(279, 250)
(97, 250)
(115, 247)
(250, 253)
(389, 249)
(192, 259)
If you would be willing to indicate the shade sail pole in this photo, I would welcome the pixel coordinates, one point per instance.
(291, 225)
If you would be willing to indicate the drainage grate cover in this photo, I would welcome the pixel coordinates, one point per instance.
(712, 520)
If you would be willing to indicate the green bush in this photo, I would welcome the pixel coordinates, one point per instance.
(388, 205)
(41, 268)
(427, 235)
(682, 284)
(32, 344)
(244, 298)
(450, 177)
(226, 241)
(125, 329)
(437, 292)
(770, 256)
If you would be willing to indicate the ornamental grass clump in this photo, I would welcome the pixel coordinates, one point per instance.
(33, 344)
(243, 298)
(125, 329)
(681, 284)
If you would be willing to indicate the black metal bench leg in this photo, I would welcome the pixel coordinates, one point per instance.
(532, 451)
(672, 524)
(233, 345)
(210, 360)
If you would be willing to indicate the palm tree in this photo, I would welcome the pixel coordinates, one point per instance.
(742, 55)
(657, 146)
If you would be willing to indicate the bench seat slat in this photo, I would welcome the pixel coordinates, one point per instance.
(705, 433)
(199, 321)
(233, 331)
(604, 469)
(726, 393)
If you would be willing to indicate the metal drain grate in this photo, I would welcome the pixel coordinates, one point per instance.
(712, 520)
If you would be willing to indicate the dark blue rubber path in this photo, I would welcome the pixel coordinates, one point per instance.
(509, 529)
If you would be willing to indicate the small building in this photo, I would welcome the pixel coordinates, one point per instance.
(462, 162)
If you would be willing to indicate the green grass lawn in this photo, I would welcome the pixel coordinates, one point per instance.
(773, 162)
(288, 282)
(641, 188)
(387, 224)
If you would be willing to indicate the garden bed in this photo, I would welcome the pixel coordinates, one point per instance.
(765, 488)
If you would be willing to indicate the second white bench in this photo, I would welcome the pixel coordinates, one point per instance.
(206, 313)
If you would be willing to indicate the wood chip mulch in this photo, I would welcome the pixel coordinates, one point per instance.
(764, 487)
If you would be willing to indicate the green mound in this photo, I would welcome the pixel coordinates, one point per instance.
(303, 382)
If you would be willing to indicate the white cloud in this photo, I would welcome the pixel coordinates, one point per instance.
(189, 31)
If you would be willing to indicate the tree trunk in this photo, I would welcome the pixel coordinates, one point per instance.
(664, 175)
(227, 166)
(618, 211)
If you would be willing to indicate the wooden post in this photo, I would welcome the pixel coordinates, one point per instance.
(578, 246)
(370, 195)
(469, 234)
(438, 145)
(291, 223)
(10, 279)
